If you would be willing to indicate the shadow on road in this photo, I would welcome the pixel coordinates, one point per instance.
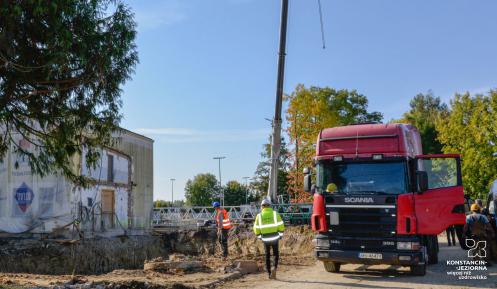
(338, 284)
(366, 276)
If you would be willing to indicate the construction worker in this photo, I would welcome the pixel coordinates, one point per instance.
(451, 235)
(269, 227)
(478, 228)
(483, 210)
(223, 227)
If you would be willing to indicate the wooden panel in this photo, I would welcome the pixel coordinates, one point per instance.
(107, 202)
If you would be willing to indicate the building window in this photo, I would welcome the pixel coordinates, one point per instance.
(110, 168)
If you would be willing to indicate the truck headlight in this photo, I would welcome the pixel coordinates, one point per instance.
(321, 242)
(408, 246)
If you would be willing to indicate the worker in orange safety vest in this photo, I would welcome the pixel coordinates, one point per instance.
(223, 227)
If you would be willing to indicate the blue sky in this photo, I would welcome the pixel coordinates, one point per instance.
(207, 73)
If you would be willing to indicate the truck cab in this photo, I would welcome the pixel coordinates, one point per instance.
(388, 201)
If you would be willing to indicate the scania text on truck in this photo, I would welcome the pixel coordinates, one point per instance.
(390, 202)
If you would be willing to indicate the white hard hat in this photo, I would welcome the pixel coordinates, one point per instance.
(265, 202)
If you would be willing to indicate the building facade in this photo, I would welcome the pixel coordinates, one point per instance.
(119, 201)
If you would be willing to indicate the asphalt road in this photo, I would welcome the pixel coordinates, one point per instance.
(378, 276)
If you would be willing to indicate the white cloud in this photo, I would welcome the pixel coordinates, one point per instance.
(187, 135)
(159, 14)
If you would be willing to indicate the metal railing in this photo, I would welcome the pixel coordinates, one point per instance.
(176, 216)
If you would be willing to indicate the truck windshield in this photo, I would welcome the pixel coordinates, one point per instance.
(364, 177)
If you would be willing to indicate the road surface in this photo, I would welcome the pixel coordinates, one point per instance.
(361, 276)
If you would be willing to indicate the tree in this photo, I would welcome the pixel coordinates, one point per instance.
(62, 65)
(261, 176)
(162, 203)
(309, 111)
(424, 112)
(471, 130)
(236, 194)
(202, 190)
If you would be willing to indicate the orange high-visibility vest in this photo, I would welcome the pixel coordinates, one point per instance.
(226, 219)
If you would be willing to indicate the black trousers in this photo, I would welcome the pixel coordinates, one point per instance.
(276, 254)
(451, 234)
(223, 240)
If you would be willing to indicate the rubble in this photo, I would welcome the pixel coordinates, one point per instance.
(177, 263)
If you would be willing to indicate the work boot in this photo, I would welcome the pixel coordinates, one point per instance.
(272, 275)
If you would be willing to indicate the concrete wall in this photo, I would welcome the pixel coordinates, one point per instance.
(95, 256)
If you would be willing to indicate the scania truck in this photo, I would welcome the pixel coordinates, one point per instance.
(379, 200)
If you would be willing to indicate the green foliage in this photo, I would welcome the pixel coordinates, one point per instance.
(202, 190)
(425, 110)
(260, 184)
(236, 193)
(62, 65)
(162, 203)
(471, 130)
(442, 172)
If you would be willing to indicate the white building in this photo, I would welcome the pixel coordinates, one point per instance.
(119, 202)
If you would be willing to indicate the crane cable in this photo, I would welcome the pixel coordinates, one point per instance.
(321, 21)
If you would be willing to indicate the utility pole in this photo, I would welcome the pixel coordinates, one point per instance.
(247, 189)
(221, 192)
(172, 192)
(276, 135)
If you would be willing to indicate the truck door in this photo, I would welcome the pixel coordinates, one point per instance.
(442, 204)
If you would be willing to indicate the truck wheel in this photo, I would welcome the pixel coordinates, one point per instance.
(331, 266)
(432, 247)
(418, 270)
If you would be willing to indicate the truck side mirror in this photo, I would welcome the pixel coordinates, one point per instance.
(422, 181)
(307, 180)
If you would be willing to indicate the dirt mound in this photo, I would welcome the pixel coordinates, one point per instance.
(197, 251)
(296, 241)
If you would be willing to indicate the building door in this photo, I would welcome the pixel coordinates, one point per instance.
(108, 212)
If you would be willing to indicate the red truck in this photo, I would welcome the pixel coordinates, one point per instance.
(391, 201)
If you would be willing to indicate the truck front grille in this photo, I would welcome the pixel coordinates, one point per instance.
(364, 222)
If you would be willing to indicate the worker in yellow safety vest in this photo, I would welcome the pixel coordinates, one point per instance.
(269, 227)
(223, 227)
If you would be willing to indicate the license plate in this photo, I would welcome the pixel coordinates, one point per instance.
(376, 256)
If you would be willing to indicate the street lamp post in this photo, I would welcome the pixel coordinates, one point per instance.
(172, 192)
(220, 185)
(246, 187)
